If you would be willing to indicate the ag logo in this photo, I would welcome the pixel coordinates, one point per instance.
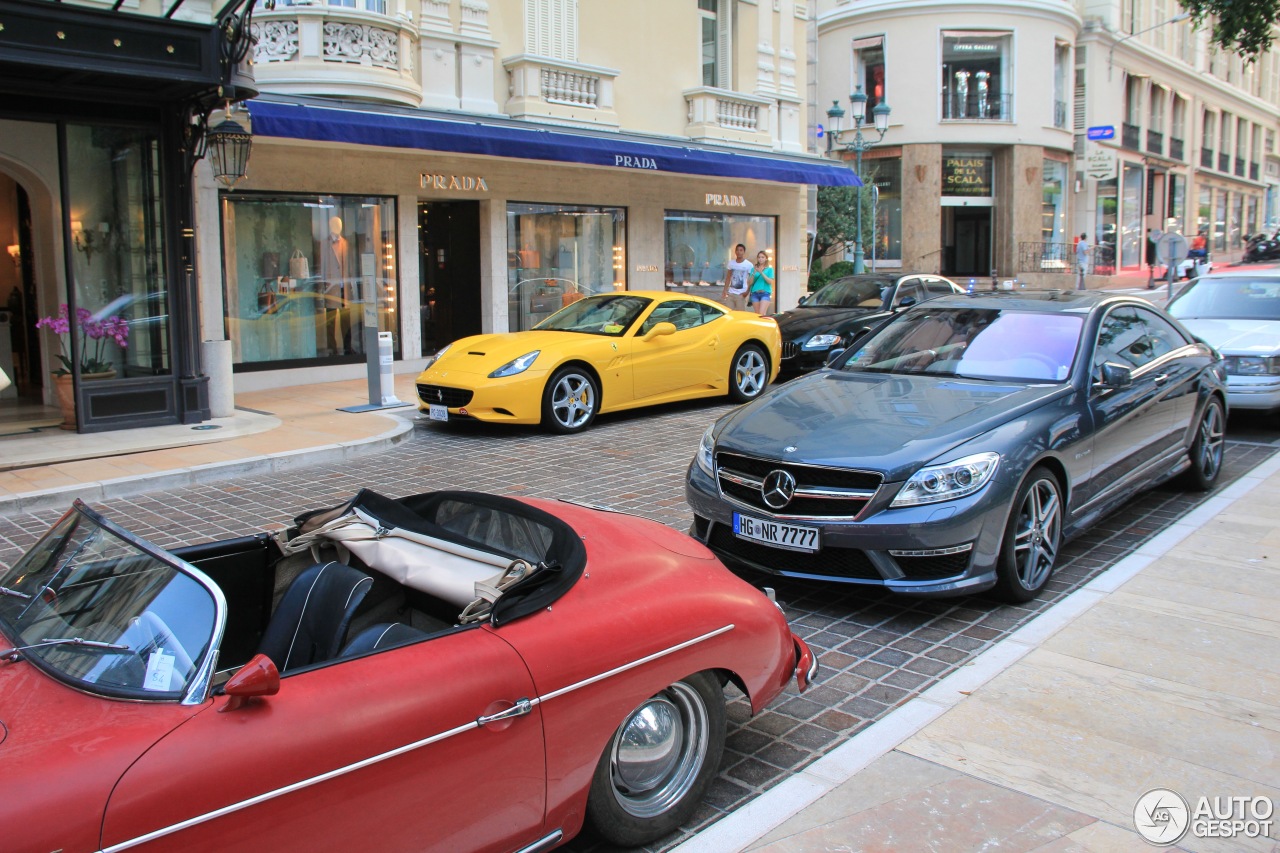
(1161, 816)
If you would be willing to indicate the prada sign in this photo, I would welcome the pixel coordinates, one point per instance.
(462, 183)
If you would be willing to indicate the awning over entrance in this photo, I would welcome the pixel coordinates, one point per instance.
(391, 130)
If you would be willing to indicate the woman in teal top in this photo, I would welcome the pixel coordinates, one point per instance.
(761, 291)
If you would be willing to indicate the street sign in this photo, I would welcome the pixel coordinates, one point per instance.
(1101, 164)
(1106, 131)
(1171, 248)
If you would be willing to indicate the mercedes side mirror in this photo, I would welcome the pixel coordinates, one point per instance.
(1116, 376)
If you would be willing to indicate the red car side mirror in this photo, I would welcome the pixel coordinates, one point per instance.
(259, 677)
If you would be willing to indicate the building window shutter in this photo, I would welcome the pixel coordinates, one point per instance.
(724, 44)
(551, 28)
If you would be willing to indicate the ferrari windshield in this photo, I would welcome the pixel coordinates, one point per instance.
(96, 608)
(1234, 298)
(608, 314)
(851, 293)
(982, 343)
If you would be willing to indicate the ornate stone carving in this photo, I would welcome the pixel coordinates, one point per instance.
(363, 44)
(275, 41)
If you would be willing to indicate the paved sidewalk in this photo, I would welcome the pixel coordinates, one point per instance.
(1162, 673)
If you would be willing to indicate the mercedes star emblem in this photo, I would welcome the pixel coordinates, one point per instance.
(778, 488)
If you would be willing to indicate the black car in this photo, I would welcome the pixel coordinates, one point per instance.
(959, 446)
(842, 310)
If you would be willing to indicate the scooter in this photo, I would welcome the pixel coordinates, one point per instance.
(1262, 248)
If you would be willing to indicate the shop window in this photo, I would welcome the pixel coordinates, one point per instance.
(1220, 221)
(306, 275)
(1204, 213)
(885, 174)
(1053, 204)
(558, 253)
(977, 76)
(699, 246)
(1177, 204)
(117, 253)
(1107, 221)
(1132, 207)
(868, 69)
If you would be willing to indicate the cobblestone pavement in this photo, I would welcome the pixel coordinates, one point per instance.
(876, 651)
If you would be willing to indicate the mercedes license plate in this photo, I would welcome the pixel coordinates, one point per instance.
(794, 536)
(437, 412)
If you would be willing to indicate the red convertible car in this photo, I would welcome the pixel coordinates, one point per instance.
(448, 671)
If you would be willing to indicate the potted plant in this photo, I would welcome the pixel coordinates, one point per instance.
(92, 361)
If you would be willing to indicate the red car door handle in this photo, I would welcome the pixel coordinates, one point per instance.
(519, 709)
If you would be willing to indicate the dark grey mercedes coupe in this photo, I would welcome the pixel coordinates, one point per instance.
(956, 449)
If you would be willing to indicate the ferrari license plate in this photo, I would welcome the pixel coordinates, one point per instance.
(437, 412)
(794, 536)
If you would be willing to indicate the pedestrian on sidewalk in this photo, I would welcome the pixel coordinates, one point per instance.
(1082, 261)
(737, 276)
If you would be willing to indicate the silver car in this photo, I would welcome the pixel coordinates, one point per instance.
(1238, 314)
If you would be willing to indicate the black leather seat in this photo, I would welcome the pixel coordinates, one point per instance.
(384, 635)
(311, 622)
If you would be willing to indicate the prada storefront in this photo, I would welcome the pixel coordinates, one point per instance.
(103, 118)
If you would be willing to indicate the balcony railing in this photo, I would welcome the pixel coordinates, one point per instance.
(1175, 148)
(567, 92)
(1224, 163)
(1155, 142)
(1240, 167)
(977, 108)
(1061, 258)
(1130, 136)
(725, 116)
(335, 50)
(1206, 158)
(1060, 114)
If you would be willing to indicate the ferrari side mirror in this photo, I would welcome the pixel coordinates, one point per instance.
(660, 330)
(259, 677)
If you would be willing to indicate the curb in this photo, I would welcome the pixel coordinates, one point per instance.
(741, 827)
(60, 498)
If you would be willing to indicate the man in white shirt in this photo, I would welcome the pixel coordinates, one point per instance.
(1082, 261)
(736, 276)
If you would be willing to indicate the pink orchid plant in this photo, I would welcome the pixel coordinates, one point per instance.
(112, 328)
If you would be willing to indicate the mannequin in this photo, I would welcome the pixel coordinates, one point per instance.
(962, 92)
(338, 285)
(982, 77)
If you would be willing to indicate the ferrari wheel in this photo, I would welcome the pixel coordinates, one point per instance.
(659, 763)
(1206, 450)
(1031, 540)
(749, 374)
(570, 401)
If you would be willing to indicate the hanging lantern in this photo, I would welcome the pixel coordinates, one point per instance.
(228, 146)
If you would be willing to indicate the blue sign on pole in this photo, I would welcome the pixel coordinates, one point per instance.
(1104, 132)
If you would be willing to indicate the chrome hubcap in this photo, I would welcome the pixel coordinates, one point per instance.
(659, 751)
(1035, 545)
(572, 401)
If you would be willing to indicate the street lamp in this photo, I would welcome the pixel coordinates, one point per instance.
(859, 143)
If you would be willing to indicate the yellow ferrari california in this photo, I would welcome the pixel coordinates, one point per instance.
(604, 353)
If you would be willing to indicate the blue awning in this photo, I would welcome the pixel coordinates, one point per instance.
(457, 136)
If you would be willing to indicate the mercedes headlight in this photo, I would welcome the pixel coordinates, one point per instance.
(707, 452)
(822, 342)
(947, 482)
(516, 365)
(434, 358)
(1250, 365)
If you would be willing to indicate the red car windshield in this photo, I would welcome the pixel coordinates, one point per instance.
(95, 607)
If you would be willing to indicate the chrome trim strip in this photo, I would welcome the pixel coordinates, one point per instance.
(832, 492)
(287, 789)
(341, 771)
(544, 843)
(781, 516)
(626, 666)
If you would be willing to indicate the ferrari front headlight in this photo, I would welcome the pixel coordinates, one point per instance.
(433, 359)
(949, 481)
(516, 365)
